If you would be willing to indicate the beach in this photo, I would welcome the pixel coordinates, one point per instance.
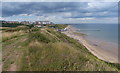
(107, 52)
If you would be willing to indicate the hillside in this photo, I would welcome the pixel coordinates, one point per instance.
(45, 49)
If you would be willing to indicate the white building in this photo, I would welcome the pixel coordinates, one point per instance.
(43, 22)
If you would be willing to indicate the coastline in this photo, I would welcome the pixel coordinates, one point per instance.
(103, 53)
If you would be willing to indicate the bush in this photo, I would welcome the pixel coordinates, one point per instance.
(38, 36)
(11, 24)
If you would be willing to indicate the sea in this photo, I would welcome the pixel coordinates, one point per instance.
(99, 31)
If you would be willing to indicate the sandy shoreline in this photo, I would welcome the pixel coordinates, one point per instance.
(109, 55)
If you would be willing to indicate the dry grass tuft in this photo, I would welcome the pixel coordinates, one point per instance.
(8, 35)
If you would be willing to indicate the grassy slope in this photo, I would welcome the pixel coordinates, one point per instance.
(47, 49)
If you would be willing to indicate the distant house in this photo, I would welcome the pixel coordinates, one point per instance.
(12, 22)
(37, 23)
(65, 29)
(43, 22)
(38, 26)
(62, 30)
(4, 21)
(25, 22)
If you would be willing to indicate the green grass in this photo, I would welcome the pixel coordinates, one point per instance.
(45, 49)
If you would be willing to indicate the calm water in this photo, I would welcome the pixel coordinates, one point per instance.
(107, 32)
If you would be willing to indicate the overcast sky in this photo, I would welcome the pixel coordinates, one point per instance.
(61, 12)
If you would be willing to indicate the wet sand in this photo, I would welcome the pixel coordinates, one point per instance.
(104, 50)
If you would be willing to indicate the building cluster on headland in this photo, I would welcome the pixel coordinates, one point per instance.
(35, 23)
(29, 22)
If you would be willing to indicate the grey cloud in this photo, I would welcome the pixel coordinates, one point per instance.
(78, 9)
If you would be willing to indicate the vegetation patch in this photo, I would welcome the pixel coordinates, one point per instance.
(45, 49)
